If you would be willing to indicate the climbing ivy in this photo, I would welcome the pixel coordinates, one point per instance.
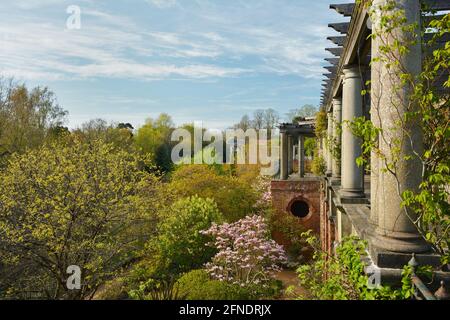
(342, 276)
(333, 143)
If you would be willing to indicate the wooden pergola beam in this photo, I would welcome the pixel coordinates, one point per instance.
(341, 27)
(346, 9)
(333, 61)
(331, 69)
(335, 51)
(329, 75)
(339, 41)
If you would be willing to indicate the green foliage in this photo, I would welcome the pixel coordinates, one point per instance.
(153, 139)
(321, 123)
(70, 204)
(235, 197)
(178, 248)
(319, 166)
(197, 285)
(120, 136)
(180, 245)
(289, 227)
(363, 128)
(27, 117)
(340, 276)
(310, 146)
(156, 289)
(334, 144)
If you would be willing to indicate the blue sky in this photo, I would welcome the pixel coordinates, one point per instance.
(198, 60)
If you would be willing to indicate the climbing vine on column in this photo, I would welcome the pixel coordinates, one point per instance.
(428, 106)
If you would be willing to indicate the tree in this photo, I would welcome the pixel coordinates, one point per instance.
(258, 119)
(271, 119)
(153, 139)
(180, 243)
(26, 117)
(234, 197)
(127, 126)
(307, 110)
(68, 204)
(310, 146)
(179, 248)
(244, 124)
(120, 135)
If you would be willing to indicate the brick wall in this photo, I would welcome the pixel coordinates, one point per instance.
(284, 193)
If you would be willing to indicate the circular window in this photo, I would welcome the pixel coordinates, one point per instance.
(300, 209)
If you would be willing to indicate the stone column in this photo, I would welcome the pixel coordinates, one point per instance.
(290, 154)
(283, 156)
(352, 180)
(301, 156)
(337, 119)
(328, 155)
(390, 101)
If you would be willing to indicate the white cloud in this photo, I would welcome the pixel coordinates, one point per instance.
(163, 3)
(215, 44)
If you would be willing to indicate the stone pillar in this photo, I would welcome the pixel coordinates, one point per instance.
(328, 156)
(352, 181)
(283, 156)
(301, 156)
(390, 101)
(337, 119)
(290, 154)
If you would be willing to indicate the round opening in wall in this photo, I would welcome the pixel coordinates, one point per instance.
(300, 209)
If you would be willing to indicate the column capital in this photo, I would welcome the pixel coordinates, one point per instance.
(353, 71)
(337, 103)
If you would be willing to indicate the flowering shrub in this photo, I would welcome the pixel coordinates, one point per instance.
(262, 187)
(247, 256)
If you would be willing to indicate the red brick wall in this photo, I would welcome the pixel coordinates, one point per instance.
(327, 227)
(285, 192)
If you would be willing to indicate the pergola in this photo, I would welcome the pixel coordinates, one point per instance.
(352, 203)
(294, 135)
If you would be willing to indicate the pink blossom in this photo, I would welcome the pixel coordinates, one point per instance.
(246, 253)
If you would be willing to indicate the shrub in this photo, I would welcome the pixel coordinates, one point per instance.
(197, 285)
(290, 229)
(247, 256)
(234, 197)
(341, 276)
(179, 247)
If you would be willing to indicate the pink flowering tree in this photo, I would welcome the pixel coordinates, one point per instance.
(246, 254)
(262, 187)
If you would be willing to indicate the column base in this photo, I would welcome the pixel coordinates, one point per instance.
(335, 180)
(351, 193)
(400, 242)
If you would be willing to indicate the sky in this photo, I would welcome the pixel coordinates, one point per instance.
(197, 60)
